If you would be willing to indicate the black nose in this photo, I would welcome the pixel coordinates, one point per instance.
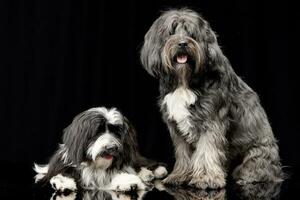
(111, 148)
(182, 44)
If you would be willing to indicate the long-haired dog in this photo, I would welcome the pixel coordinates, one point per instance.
(213, 116)
(99, 151)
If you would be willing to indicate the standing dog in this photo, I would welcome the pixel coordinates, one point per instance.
(213, 116)
(99, 151)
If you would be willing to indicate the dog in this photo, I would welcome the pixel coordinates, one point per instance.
(214, 118)
(99, 151)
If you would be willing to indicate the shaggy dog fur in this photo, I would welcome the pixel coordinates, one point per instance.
(213, 116)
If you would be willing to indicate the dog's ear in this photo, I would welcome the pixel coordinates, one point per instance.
(213, 49)
(130, 141)
(213, 53)
(76, 135)
(151, 51)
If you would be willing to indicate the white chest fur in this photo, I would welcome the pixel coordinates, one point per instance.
(93, 178)
(98, 178)
(177, 104)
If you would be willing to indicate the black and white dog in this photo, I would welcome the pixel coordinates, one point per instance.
(99, 151)
(213, 116)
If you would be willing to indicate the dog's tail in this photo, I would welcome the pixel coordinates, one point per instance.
(56, 165)
(41, 171)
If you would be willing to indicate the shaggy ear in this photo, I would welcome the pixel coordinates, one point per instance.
(151, 51)
(213, 53)
(74, 138)
(130, 141)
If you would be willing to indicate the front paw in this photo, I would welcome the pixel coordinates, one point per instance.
(160, 172)
(63, 184)
(208, 181)
(146, 175)
(126, 183)
(175, 179)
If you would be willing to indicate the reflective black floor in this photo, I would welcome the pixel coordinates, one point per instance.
(16, 183)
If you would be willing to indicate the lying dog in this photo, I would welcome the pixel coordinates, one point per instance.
(99, 151)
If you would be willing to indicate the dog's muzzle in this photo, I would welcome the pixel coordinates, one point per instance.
(106, 146)
(182, 56)
(109, 152)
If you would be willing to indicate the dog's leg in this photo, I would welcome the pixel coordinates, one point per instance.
(180, 173)
(208, 160)
(260, 164)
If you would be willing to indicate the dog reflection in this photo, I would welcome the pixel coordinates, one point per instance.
(261, 191)
(192, 194)
(64, 196)
(99, 195)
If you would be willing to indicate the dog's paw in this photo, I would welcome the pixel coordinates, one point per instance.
(146, 175)
(175, 179)
(205, 181)
(160, 172)
(62, 183)
(159, 185)
(126, 182)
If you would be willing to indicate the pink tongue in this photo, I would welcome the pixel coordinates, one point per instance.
(108, 157)
(182, 59)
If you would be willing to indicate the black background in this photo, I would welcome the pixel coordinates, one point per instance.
(59, 58)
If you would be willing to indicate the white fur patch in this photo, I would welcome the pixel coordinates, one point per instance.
(102, 141)
(177, 104)
(98, 178)
(160, 172)
(41, 171)
(61, 183)
(64, 153)
(146, 174)
(94, 178)
(126, 182)
(113, 116)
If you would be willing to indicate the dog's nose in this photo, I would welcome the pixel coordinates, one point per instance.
(182, 44)
(111, 148)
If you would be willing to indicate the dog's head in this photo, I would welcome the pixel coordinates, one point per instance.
(101, 137)
(180, 42)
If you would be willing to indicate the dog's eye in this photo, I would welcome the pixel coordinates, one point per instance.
(101, 127)
(173, 28)
(116, 129)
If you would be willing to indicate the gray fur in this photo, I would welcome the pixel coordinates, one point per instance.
(223, 118)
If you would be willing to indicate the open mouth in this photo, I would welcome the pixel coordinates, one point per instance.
(181, 58)
(107, 157)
